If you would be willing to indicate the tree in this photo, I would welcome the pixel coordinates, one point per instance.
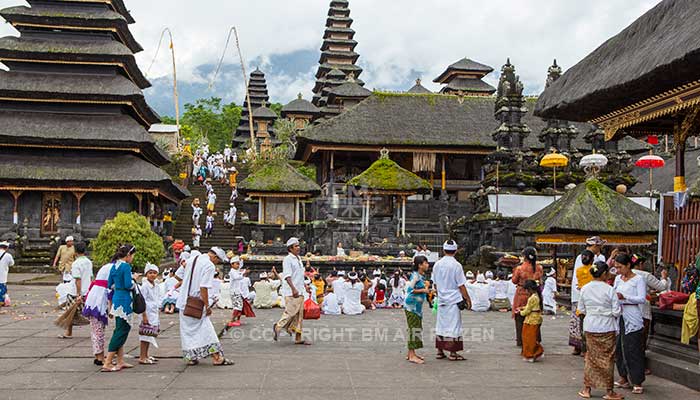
(209, 120)
(128, 228)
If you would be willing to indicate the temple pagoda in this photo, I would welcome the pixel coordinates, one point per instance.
(337, 51)
(257, 88)
(557, 134)
(75, 147)
(344, 96)
(464, 77)
(418, 88)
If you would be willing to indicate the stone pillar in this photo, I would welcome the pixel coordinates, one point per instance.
(15, 210)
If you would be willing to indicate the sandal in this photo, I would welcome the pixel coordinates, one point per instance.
(113, 369)
(456, 357)
(584, 395)
(616, 397)
(98, 362)
(625, 385)
(126, 366)
(303, 343)
(638, 390)
(223, 363)
(193, 362)
(440, 356)
(276, 333)
(65, 337)
(147, 362)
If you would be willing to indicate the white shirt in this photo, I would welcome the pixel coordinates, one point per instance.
(5, 263)
(236, 278)
(479, 293)
(575, 292)
(203, 278)
(292, 268)
(635, 292)
(653, 283)
(339, 289)
(448, 276)
(550, 287)
(599, 303)
(340, 252)
(82, 269)
(501, 289)
(492, 288)
(330, 304)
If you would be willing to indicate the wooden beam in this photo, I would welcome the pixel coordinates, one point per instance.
(688, 126)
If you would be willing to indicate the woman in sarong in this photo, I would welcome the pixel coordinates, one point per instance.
(599, 303)
(416, 295)
(121, 282)
(528, 270)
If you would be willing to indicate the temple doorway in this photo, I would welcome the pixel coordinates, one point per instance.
(50, 214)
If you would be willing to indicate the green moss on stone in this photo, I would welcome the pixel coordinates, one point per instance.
(385, 174)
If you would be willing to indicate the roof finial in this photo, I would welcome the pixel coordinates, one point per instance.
(384, 153)
(351, 77)
(417, 81)
(299, 96)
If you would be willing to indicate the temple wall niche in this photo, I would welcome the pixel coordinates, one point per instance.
(7, 204)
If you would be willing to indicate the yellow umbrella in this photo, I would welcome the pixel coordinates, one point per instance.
(554, 160)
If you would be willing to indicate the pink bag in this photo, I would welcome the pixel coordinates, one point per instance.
(311, 310)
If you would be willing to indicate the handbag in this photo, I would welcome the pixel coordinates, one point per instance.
(139, 303)
(194, 308)
(149, 330)
(311, 310)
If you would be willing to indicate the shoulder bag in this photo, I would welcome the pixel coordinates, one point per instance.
(194, 307)
(139, 302)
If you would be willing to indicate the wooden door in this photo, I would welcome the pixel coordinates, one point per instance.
(50, 213)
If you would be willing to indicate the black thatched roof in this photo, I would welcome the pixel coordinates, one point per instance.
(468, 85)
(300, 106)
(62, 15)
(346, 68)
(83, 169)
(326, 54)
(464, 65)
(350, 89)
(334, 30)
(332, 19)
(331, 41)
(264, 113)
(338, 10)
(393, 119)
(418, 88)
(385, 175)
(658, 52)
(592, 208)
(116, 5)
(278, 177)
(78, 51)
(81, 130)
(100, 88)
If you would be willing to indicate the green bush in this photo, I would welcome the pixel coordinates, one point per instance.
(128, 228)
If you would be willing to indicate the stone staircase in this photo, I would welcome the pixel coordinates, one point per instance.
(36, 257)
(222, 236)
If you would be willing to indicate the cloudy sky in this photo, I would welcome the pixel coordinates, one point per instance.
(398, 40)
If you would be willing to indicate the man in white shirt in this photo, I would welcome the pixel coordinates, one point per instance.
(479, 293)
(6, 261)
(353, 291)
(339, 287)
(450, 282)
(198, 337)
(292, 290)
(595, 245)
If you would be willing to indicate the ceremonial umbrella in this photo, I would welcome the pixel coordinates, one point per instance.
(593, 163)
(554, 160)
(650, 162)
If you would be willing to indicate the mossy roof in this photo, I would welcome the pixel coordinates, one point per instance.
(593, 208)
(388, 176)
(278, 177)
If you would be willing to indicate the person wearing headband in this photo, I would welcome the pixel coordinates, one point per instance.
(151, 318)
(64, 258)
(352, 295)
(292, 289)
(450, 282)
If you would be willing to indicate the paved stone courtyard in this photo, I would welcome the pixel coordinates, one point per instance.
(352, 358)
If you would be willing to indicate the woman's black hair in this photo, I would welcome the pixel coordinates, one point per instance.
(599, 269)
(637, 260)
(623, 259)
(396, 279)
(418, 261)
(587, 254)
(530, 255)
(532, 286)
(80, 247)
(123, 250)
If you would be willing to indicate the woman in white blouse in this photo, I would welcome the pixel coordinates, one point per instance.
(599, 304)
(631, 290)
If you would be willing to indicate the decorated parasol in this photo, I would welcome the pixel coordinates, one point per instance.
(592, 164)
(554, 160)
(650, 162)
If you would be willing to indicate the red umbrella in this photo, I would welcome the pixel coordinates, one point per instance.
(650, 162)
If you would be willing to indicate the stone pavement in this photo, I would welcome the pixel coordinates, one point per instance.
(352, 358)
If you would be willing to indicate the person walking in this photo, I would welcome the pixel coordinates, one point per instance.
(81, 271)
(121, 283)
(450, 283)
(631, 290)
(6, 261)
(416, 295)
(532, 349)
(96, 310)
(292, 287)
(150, 318)
(197, 335)
(64, 258)
(529, 270)
(599, 304)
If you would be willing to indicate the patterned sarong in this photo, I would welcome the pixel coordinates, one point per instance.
(599, 369)
(575, 330)
(415, 330)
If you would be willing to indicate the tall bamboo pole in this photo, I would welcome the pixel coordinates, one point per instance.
(253, 145)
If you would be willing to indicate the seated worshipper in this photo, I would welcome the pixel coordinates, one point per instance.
(264, 289)
(500, 301)
(512, 289)
(470, 276)
(479, 293)
(491, 282)
(330, 304)
(339, 250)
(310, 292)
(532, 349)
(380, 295)
(549, 293)
(397, 284)
(364, 297)
(339, 286)
(320, 286)
(353, 292)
